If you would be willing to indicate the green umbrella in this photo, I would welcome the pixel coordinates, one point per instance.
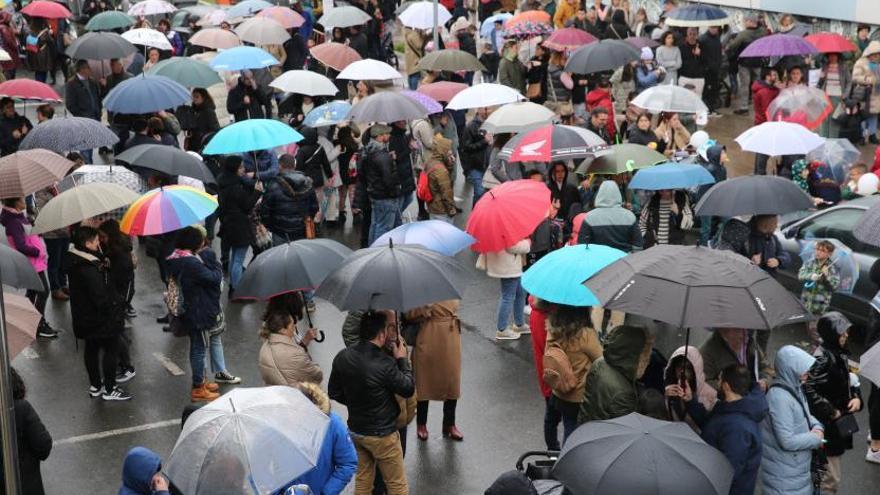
(186, 71)
(619, 159)
(451, 60)
(110, 20)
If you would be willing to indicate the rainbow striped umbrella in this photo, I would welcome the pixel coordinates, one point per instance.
(167, 209)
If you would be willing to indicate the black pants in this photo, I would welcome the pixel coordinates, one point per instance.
(448, 412)
(761, 164)
(124, 361)
(874, 412)
(39, 298)
(98, 366)
(712, 89)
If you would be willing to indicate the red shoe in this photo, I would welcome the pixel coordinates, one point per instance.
(452, 432)
(422, 432)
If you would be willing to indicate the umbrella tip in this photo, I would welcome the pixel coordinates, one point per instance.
(391, 243)
(232, 404)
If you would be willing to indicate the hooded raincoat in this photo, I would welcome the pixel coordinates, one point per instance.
(138, 469)
(609, 223)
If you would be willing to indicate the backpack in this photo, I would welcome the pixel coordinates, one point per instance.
(558, 373)
(423, 189)
(173, 297)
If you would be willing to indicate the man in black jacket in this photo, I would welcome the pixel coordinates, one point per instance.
(693, 63)
(288, 200)
(382, 181)
(474, 154)
(710, 43)
(366, 379)
(13, 127)
(399, 145)
(245, 100)
(598, 123)
(81, 94)
(296, 51)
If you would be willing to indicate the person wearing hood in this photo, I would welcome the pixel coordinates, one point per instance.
(245, 100)
(236, 203)
(142, 473)
(474, 152)
(442, 203)
(716, 157)
(866, 73)
(684, 379)
(561, 189)
(601, 97)
(381, 179)
(790, 432)
(764, 249)
(729, 346)
(764, 91)
(648, 73)
(312, 161)
(289, 199)
(264, 168)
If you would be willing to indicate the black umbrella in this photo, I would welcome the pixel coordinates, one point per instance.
(100, 46)
(604, 55)
(638, 455)
(168, 160)
(17, 271)
(551, 142)
(693, 286)
(867, 229)
(753, 195)
(63, 134)
(398, 278)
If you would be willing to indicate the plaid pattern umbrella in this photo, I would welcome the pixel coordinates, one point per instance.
(26, 172)
(22, 319)
(63, 134)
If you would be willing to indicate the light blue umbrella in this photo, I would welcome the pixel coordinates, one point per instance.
(431, 234)
(248, 8)
(146, 94)
(559, 277)
(243, 57)
(328, 114)
(251, 135)
(489, 23)
(671, 176)
(187, 71)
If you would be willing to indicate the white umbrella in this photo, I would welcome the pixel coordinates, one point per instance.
(304, 82)
(147, 37)
(869, 364)
(343, 17)
(213, 18)
(779, 139)
(669, 98)
(518, 117)
(80, 203)
(151, 7)
(215, 39)
(484, 95)
(420, 15)
(369, 70)
(262, 31)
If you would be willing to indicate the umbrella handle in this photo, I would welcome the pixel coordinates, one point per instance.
(320, 337)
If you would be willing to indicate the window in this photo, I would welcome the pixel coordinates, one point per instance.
(837, 224)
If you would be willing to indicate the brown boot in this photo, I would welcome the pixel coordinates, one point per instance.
(211, 386)
(60, 295)
(202, 394)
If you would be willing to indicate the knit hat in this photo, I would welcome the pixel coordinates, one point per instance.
(647, 54)
(379, 129)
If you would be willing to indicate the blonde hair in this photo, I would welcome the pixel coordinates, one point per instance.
(315, 394)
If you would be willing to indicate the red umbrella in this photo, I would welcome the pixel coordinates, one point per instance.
(46, 9)
(334, 55)
(568, 39)
(28, 89)
(827, 42)
(443, 90)
(507, 214)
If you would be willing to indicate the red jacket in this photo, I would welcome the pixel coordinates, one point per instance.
(762, 95)
(538, 324)
(602, 98)
(9, 42)
(875, 169)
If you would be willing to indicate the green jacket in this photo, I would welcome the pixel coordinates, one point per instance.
(610, 390)
(512, 74)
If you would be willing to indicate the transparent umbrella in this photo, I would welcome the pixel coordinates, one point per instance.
(842, 259)
(840, 154)
(801, 105)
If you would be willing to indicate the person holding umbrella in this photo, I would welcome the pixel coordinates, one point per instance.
(246, 100)
(284, 356)
(236, 203)
(820, 278)
(866, 76)
(512, 72)
(13, 127)
(506, 265)
(440, 202)
(732, 346)
(82, 97)
(381, 182)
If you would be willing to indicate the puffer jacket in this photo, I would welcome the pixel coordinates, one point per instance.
(284, 362)
(582, 351)
(288, 200)
(236, 202)
(762, 95)
(96, 309)
(473, 147)
(864, 74)
(379, 172)
(199, 278)
(138, 469)
(507, 263)
(439, 181)
(609, 223)
(310, 157)
(556, 90)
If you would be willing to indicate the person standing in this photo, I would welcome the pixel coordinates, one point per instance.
(33, 440)
(246, 100)
(9, 43)
(866, 76)
(118, 249)
(729, 346)
(693, 62)
(40, 49)
(57, 242)
(668, 56)
(382, 181)
(82, 97)
(764, 91)
(836, 80)
(512, 72)
(507, 266)
(236, 204)
(666, 218)
(820, 278)
(401, 146)
(288, 202)
(414, 41)
(474, 152)
(712, 53)
(284, 355)
(312, 161)
(442, 204)
(204, 120)
(13, 127)
(747, 68)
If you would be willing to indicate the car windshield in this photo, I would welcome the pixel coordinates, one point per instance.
(837, 224)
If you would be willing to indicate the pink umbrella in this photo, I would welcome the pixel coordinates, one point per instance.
(334, 55)
(429, 103)
(47, 10)
(568, 39)
(284, 16)
(27, 89)
(215, 38)
(22, 319)
(443, 90)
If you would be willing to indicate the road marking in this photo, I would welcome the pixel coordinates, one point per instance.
(30, 353)
(117, 432)
(169, 364)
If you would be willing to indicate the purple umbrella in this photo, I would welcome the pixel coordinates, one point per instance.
(639, 42)
(429, 103)
(779, 45)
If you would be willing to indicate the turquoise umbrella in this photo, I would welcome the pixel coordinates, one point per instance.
(110, 20)
(243, 57)
(559, 276)
(251, 135)
(671, 176)
(186, 71)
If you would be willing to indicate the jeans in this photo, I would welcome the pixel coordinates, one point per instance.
(707, 228)
(475, 178)
(97, 367)
(198, 349)
(41, 75)
(56, 249)
(237, 255)
(385, 453)
(513, 298)
(568, 411)
(869, 126)
(385, 216)
(414, 80)
(448, 412)
(552, 417)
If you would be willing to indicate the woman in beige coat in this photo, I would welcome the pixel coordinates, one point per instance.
(866, 78)
(283, 360)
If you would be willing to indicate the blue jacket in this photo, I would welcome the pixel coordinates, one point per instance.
(140, 465)
(200, 284)
(337, 461)
(785, 466)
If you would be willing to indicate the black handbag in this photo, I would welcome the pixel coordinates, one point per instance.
(845, 426)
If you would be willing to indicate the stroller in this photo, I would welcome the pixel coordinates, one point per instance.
(535, 476)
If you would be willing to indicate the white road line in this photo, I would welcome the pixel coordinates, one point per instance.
(117, 432)
(169, 364)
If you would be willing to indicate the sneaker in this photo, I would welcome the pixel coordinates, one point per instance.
(522, 330)
(95, 392)
(202, 394)
(164, 319)
(226, 377)
(116, 394)
(124, 376)
(714, 115)
(311, 306)
(507, 334)
(873, 456)
(47, 332)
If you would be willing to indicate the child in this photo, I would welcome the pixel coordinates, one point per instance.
(820, 278)
(850, 188)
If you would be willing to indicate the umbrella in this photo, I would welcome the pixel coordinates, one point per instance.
(518, 117)
(305, 82)
(262, 31)
(215, 39)
(551, 142)
(779, 139)
(398, 278)
(151, 7)
(442, 90)
(110, 20)
(186, 71)
(696, 287)
(528, 29)
(641, 456)
(247, 8)
(620, 158)
(334, 55)
(251, 135)
(430, 104)
(168, 160)
(167, 209)
(867, 229)
(293, 266)
(827, 42)
(22, 319)
(27, 89)
(63, 134)
(17, 271)
(343, 17)
(534, 16)
(147, 37)
(488, 23)
(26, 172)
(753, 195)
(671, 176)
(639, 42)
(604, 55)
(869, 364)
(669, 98)
(779, 45)
(99, 46)
(243, 57)
(840, 154)
(484, 95)
(698, 15)
(249, 440)
(146, 94)
(46, 10)
(559, 276)
(491, 222)
(841, 258)
(450, 60)
(369, 70)
(328, 114)
(80, 203)
(288, 18)
(387, 106)
(435, 235)
(420, 15)
(802, 105)
(568, 39)
(107, 174)
(213, 18)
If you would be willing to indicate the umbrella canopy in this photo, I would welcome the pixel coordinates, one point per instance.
(827, 42)
(46, 10)
(146, 94)
(669, 98)
(698, 15)
(604, 55)
(213, 18)
(639, 42)
(26, 172)
(450, 60)
(243, 57)
(249, 440)
(63, 134)
(527, 16)
(568, 39)
(867, 229)
(641, 456)
(387, 106)
(110, 20)
(147, 37)
(17, 270)
(779, 138)
(484, 95)
(107, 174)
(491, 222)
(488, 24)
(186, 71)
(248, 8)
(168, 160)
(167, 209)
(430, 104)
(839, 154)
(841, 258)
(215, 39)
(420, 15)
(869, 364)
(696, 287)
(620, 158)
(328, 114)
(802, 105)
(559, 276)
(550, 143)
(517, 117)
(442, 90)
(80, 203)
(294, 266)
(334, 55)
(151, 7)
(262, 31)
(778, 45)
(288, 18)
(99, 46)
(343, 17)
(27, 89)
(22, 319)
(435, 235)
(753, 195)
(305, 82)
(671, 176)
(251, 135)
(369, 70)
(398, 278)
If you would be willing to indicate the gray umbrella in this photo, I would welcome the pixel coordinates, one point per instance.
(867, 229)
(451, 60)
(65, 134)
(601, 56)
(753, 195)
(696, 287)
(387, 106)
(398, 278)
(168, 160)
(100, 46)
(638, 455)
(17, 271)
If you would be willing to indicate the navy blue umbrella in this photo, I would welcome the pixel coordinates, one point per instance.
(146, 94)
(697, 15)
